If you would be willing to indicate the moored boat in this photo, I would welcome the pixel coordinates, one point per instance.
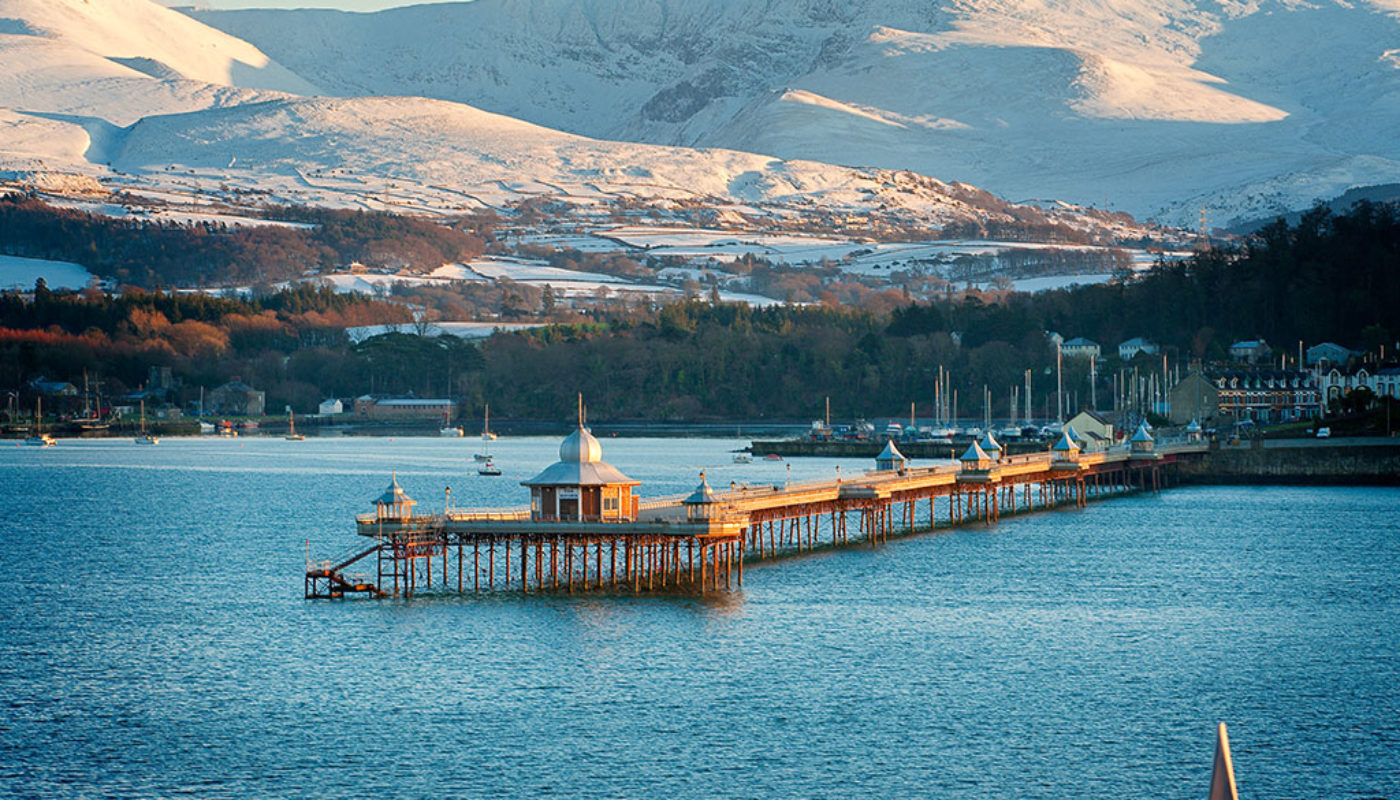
(40, 439)
(143, 437)
(486, 434)
(292, 435)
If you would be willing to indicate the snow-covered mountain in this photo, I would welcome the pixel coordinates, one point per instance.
(129, 95)
(1248, 107)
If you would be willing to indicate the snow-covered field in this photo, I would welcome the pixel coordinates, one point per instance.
(21, 273)
(710, 248)
(462, 330)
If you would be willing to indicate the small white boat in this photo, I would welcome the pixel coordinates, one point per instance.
(451, 432)
(488, 468)
(743, 458)
(482, 457)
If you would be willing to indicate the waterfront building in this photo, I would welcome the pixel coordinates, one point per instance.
(236, 399)
(1193, 398)
(1266, 395)
(1338, 382)
(330, 407)
(404, 409)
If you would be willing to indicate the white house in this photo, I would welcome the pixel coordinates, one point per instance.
(331, 406)
(1079, 347)
(1337, 383)
(1096, 430)
(1128, 350)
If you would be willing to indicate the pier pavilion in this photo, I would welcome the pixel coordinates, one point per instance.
(581, 486)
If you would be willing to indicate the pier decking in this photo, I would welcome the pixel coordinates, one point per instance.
(701, 543)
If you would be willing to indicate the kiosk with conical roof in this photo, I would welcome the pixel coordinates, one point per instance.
(581, 486)
(991, 446)
(394, 503)
(890, 459)
(1142, 444)
(975, 460)
(1065, 452)
(1193, 431)
(700, 506)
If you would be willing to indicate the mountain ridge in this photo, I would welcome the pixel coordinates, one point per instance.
(1157, 108)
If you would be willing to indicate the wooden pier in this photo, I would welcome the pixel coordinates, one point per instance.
(579, 535)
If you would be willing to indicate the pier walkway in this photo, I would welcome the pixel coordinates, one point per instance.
(701, 542)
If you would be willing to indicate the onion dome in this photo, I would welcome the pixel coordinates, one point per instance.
(580, 447)
(1194, 427)
(1143, 436)
(580, 464)
(1066, 444)
(990, 443)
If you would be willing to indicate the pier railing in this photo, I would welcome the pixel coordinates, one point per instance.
(507, 514)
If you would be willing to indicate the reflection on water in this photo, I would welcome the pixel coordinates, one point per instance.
(158, 643)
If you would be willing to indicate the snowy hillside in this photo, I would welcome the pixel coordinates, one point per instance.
(429, 154)
(129, 95)
(1152, 106)
(145, 38)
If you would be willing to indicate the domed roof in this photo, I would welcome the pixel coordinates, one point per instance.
(703, 494)
(580, 464)
(580, 447)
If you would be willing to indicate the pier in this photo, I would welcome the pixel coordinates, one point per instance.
(584, 529)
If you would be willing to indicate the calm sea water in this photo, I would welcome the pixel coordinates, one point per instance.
(156, 644)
